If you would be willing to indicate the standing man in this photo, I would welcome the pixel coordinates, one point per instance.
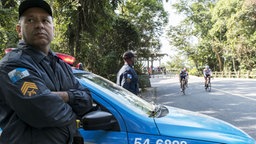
(127, 77)
(40, 98)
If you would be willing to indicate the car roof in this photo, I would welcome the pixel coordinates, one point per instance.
(77, 71)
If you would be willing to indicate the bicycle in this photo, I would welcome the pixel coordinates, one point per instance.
(183, 86)
(208, 85)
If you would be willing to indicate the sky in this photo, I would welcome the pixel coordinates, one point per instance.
(174, 19)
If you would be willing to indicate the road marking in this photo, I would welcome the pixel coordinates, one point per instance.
(235, 94)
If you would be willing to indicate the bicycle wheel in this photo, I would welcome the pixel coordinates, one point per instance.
(209, 87)
(207, 84)
(183, 86)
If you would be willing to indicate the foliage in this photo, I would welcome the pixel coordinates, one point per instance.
(8, 35)
(93, 32)
(225, 33)
(195, 72)
(98, 37)
(177, 62)
(149, 17)
(191, 36)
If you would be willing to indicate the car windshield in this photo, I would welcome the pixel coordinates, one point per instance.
(120, 94)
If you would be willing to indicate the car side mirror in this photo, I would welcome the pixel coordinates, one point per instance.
(98, 120)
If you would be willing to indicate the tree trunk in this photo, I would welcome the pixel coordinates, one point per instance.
(218, 58)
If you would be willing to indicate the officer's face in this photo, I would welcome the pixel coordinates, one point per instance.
(36, 28)
(132, 61)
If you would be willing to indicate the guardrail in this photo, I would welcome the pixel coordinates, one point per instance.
(216, 74)
(238, 74)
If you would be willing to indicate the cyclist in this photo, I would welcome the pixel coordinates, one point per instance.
(207, 73)
(183, 75)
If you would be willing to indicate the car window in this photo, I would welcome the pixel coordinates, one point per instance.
(118, 93)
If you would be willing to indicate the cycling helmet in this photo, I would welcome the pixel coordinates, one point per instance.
(128, 55)
(207, 67)
(184, 69)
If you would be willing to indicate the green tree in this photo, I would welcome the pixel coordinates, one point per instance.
(8, 35)
(191, 37)
(235, 26)
(150, 18)
(93, 32)
(225, 30)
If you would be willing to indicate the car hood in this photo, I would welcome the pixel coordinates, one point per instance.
(192, 125)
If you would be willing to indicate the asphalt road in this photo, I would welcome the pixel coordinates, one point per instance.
(231, 100)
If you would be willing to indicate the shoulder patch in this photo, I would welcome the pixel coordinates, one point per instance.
(18, 74)
(129, 77)
(29, 88)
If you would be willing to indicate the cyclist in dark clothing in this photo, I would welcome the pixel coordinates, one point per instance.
(183, 75)
(40, 99)
(127, 77)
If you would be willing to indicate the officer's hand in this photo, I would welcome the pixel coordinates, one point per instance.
(63, 95)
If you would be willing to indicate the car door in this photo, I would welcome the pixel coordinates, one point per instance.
(117, 134)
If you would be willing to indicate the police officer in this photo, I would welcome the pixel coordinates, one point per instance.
(40, 99)
(127, 77)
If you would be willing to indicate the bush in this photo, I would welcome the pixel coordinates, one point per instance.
(144, 81)
(195, 72)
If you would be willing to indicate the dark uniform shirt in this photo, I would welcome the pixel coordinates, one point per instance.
(183, 74)
(128, 78)
(29, 112)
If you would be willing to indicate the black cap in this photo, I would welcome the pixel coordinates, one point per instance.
(128, 55)
(26, 4)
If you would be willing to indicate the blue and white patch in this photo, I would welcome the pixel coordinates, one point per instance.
(18, 74)
(129, 76)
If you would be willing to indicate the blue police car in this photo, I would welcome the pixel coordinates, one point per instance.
(120, 117)
(124, 118)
